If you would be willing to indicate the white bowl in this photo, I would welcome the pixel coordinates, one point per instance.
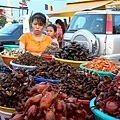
(14, 66)
(5, 115)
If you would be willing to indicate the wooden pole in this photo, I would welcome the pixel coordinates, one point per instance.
(69, 19)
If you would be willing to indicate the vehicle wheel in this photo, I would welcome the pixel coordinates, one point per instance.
(88, 39)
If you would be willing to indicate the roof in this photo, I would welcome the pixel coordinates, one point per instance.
(106, 11)
(115, 4)
(72, 7)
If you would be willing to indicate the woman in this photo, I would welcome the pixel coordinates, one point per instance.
(60, 31)
(36, 42)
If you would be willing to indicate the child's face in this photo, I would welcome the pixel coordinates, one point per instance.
(58, 26)
(50, 32)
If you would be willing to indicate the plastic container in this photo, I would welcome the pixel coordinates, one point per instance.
(7, 59)
(4, 115)
(14, 66)
(101, 73)
(48, 57)
(10, 46)
(6, 109)
(6, 112)
(98, 115)
(85, 105)
(38, 79)
(71, 62)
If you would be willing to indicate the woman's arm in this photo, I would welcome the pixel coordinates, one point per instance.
(22, 41)
(21, 45)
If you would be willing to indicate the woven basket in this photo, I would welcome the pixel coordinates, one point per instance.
(71, 62)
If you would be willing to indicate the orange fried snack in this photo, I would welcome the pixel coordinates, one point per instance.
(102, 64)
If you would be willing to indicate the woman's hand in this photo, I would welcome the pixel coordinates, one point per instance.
(21, 45)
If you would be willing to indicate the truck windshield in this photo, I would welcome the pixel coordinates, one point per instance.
(92, 22)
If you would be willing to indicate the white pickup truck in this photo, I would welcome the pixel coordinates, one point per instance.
(98, 30)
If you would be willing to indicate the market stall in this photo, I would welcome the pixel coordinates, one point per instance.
(38, 88)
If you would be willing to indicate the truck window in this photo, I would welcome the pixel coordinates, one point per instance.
(116, 24)
(92, 22)
(79, 22)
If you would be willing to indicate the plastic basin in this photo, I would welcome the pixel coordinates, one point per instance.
(98, 115)
(7, 59)
(71, 62)
(85, 105)
(4, 115)
(48, 57)
(6, 109)
(14, 66)
(101, 73)
(6, 112)
(10, 46)
(38, 80)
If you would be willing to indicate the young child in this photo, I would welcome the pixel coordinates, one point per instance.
(52, 31)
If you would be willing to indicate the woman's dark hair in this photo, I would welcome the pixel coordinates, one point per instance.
(40, 17)
(53, 26)
(59, 21)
